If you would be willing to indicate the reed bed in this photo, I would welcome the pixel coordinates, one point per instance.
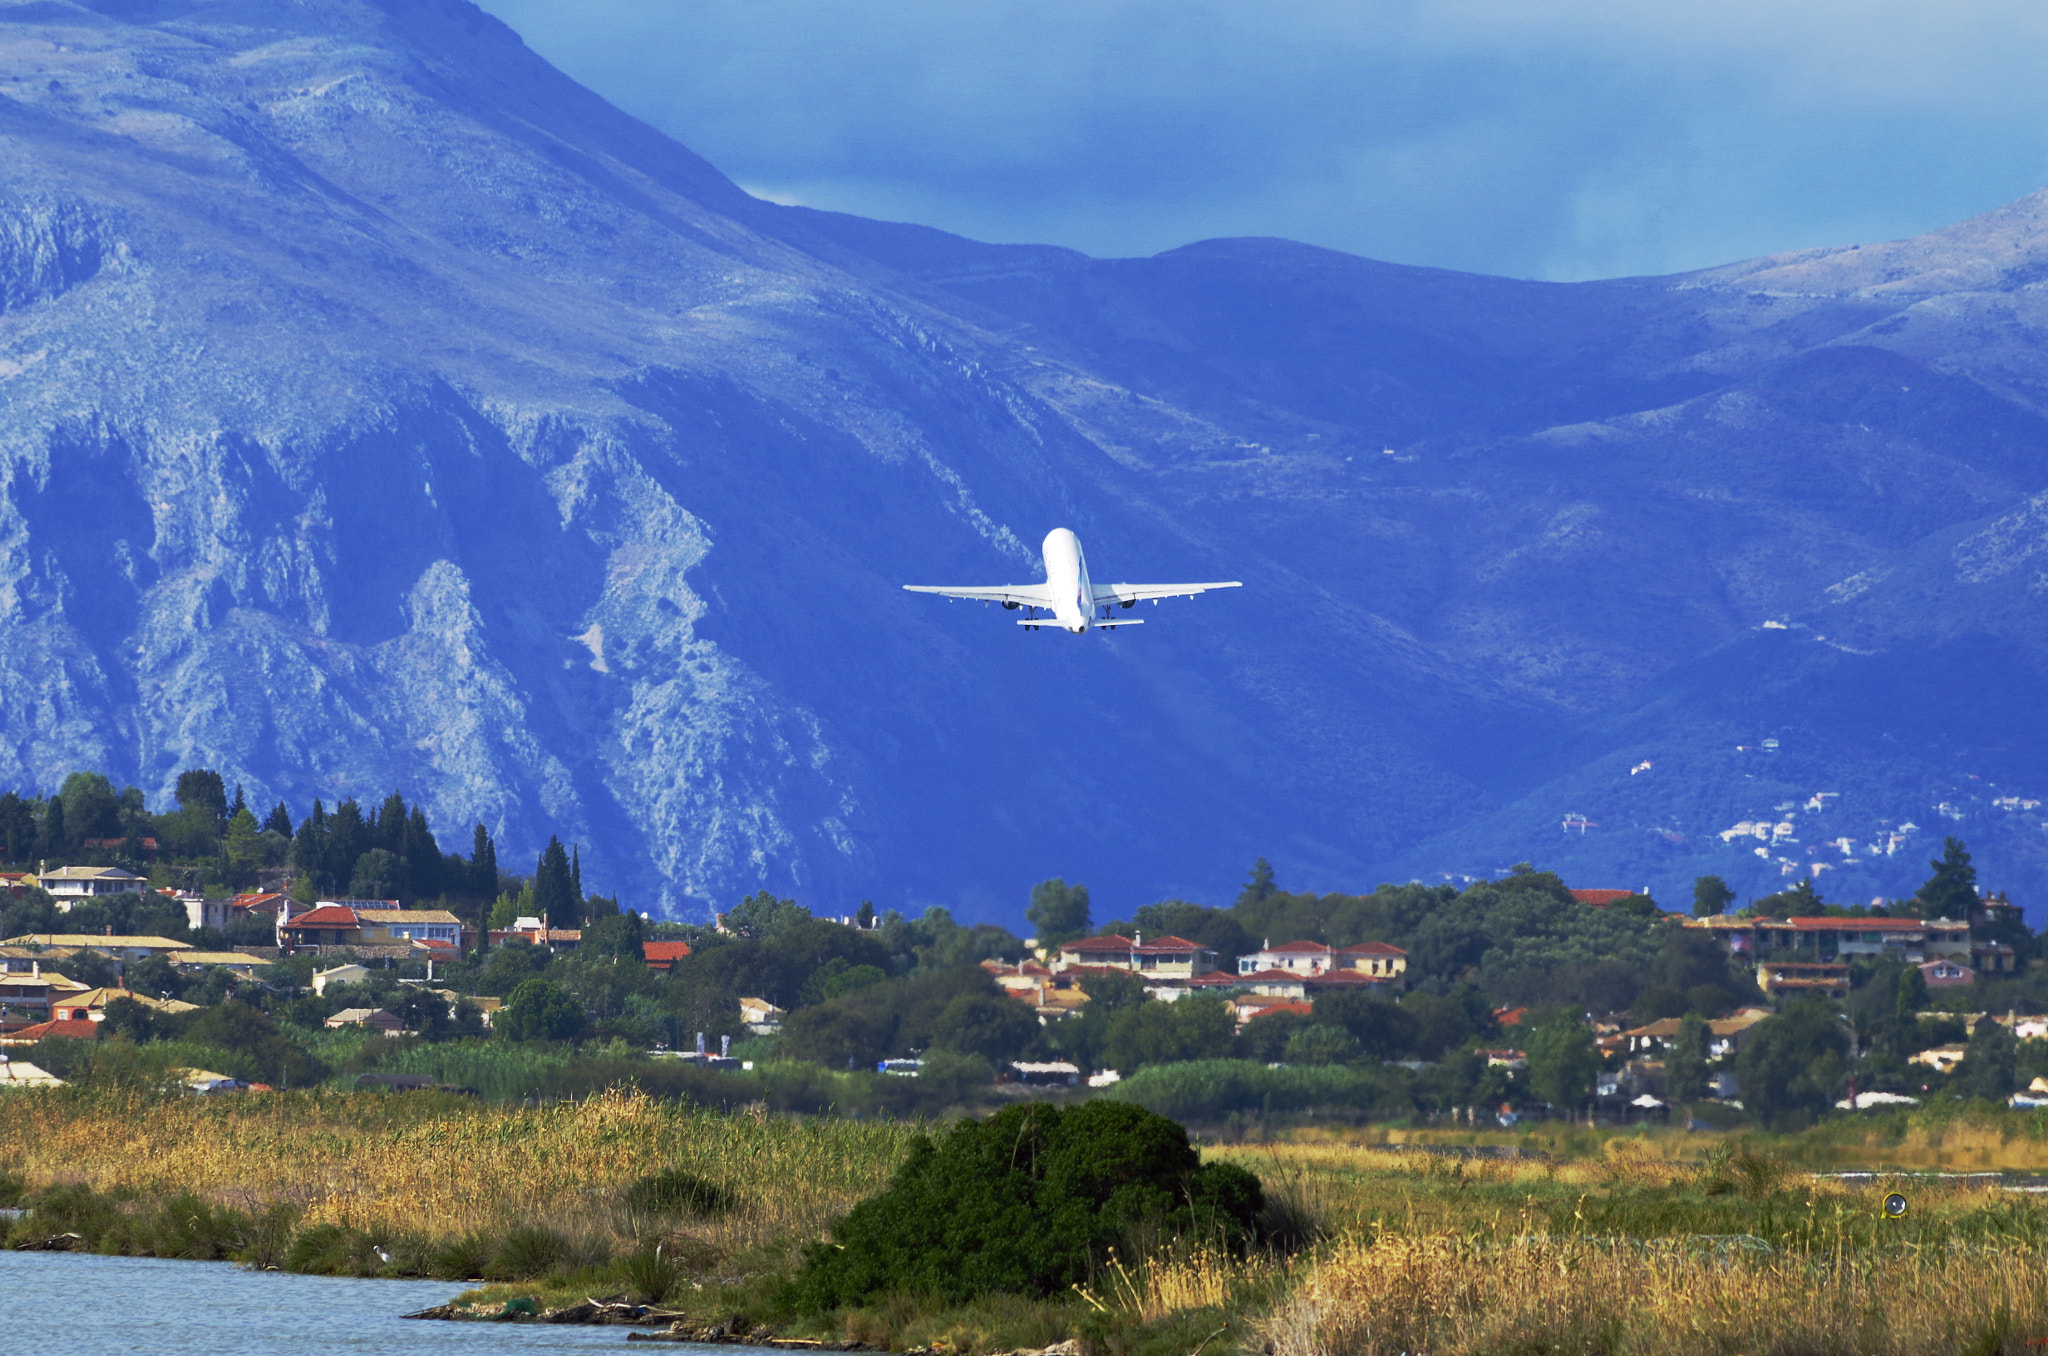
(434, 1167)
(1463, 1297)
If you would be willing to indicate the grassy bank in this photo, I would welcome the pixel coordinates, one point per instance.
(1414, 1240)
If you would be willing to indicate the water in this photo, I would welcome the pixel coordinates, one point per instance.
(96, 1306)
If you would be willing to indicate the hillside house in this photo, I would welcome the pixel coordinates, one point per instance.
(76, 1030)
(1377, 959)
(1167, 957)
(1946, 974)
(663, 955)
(376, 1019)
(91, 1005)
(762, 1017)
(1828, 939)
(60, 945)
(70, 885)
(530, 931)
(16, 884)
(350, 973)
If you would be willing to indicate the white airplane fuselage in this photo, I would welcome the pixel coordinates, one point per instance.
(1066, 580)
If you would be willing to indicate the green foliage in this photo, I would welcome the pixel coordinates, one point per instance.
(1711, 897)
(895, 1018)
(1951, 892)
(1791, 1064)
(1319, 1044)
(1801, 901)
(1990, 1065)
(764, 917)
(1112, 989)
(1027, 1202)
(676, 1192)
(1059, 911)
(1200, 1026)
(1686, 1063)
(539, 1010)
(1211, 1090)
(554, 888)
(994, 1027)
(1562, 1062)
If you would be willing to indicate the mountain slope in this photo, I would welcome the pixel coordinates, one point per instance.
(383, 409)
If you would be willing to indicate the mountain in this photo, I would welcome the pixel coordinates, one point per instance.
(379, 408)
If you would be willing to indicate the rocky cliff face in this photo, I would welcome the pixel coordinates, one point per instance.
(380, 409)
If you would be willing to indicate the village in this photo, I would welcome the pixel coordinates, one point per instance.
(373, 970)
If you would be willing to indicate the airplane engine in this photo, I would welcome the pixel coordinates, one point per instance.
(1009, 605)
(1128, 602)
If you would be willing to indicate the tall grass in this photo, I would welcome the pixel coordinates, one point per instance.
(1461, 1297)
(434, 1168)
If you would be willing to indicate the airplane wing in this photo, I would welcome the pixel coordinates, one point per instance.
(1132, 593)
(1010, 595)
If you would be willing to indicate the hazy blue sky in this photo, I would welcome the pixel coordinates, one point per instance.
(1543, 138)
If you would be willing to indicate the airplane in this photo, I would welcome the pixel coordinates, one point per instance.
(1067, 594)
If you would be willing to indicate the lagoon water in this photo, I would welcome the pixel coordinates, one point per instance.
(83, 1305)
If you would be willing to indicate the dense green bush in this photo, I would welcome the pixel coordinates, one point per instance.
(1026, 1202)
(676, 1192)
(1214, 1088)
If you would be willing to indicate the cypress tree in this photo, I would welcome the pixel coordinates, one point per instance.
(239, 804)
(483, 866)
(347, 839)
(309, 848)
(279, 821)
(55, 840)
(554, 889)
(576, 875)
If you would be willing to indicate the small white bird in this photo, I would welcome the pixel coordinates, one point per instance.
(382, 1255)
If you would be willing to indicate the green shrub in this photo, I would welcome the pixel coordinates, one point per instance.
(13, 1189)
(333, 1250)
(651, 1276)
(1027, 1202)
(528, 1252)
(677, 1192)
(460, 1259)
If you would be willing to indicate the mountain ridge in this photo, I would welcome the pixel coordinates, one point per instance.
(436, 425)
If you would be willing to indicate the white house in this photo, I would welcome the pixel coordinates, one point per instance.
(67, 885)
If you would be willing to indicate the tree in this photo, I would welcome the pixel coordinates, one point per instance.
(1710, 897)
(1112, 989)
(1951, 892)
(1990, 1063)
(763, 916)
(866, 917)
(618, 935)
(1059, 911)
(483, 864)
(539, 1010)
(994, 1028)
(201, 790)
(1562, 1062)
(554, 891)
(279, 820)
(17, 829)
(1686, 1063)
(1790, 1066)
(1258, 887)
(1318, 1044)
(1029, 1202)
(55, 838)
(375, 876)
(1801, 901)
(238, 805)
(91, 808)
(309, 850)
(243, 847)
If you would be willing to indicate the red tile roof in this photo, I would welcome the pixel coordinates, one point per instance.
(662, 955)
(77, 1028)
(1288, 947)
(326, 916)
(1600, 899)
(1216, 979)
(1106, 943)
(1271, 976)
(1372, 949)
(1284, 1005)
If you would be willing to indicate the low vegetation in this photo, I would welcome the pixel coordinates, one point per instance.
(1099, 1221)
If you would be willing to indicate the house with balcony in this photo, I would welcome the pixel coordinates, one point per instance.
(1912, 940)
(69, 886)
(1163, 958)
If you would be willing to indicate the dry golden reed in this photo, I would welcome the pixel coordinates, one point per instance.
(1447, 1296)
(433, 1167)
